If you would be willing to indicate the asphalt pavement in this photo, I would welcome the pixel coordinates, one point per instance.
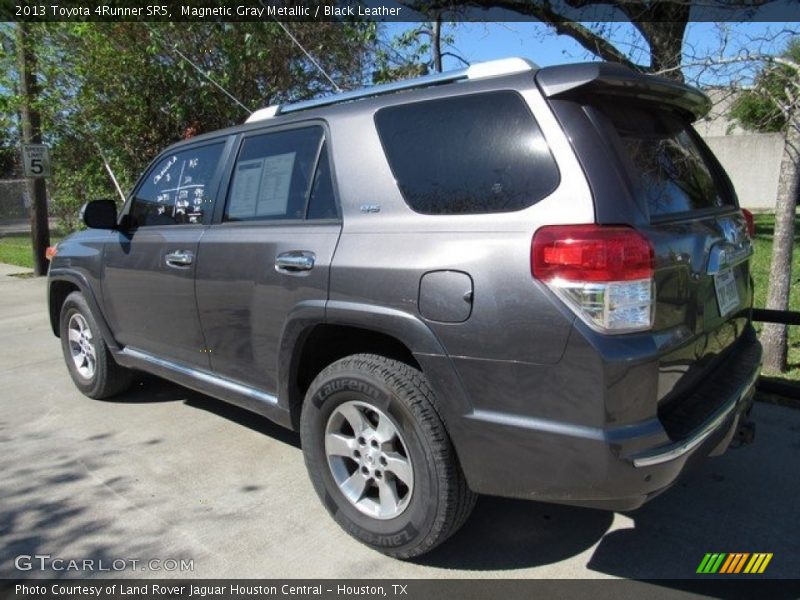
(163, 473)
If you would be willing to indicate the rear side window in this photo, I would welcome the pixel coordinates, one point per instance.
(668, 163)
(273, 175)
(482, 153)
(176, 190)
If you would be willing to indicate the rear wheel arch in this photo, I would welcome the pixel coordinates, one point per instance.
(323, 344)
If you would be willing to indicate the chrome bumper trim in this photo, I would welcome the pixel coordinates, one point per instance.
(678, 449)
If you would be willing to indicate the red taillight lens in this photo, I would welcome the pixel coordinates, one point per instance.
(751, 223)
(50, 252)
(604, 274)
(591, 253)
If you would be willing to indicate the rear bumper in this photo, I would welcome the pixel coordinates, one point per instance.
(739, 402)
(612, 466)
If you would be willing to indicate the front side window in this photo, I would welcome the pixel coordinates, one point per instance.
(273, 176)
(176, 189)
(482, 153)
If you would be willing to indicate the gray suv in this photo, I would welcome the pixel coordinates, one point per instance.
(506, 280)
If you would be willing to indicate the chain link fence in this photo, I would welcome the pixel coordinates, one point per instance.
(14, 206)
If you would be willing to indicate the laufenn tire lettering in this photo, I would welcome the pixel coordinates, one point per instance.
(355, 385)
(390, 541)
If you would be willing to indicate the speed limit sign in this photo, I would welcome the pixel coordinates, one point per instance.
(36, 160)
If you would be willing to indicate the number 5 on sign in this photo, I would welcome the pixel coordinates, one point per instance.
(36, 160)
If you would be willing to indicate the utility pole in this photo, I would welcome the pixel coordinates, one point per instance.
(32, 134)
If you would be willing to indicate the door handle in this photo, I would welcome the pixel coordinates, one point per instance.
(294, 262)
(180, 258)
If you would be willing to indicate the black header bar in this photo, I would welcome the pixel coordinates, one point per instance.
(372, 10)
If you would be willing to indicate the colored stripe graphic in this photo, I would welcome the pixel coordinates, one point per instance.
(727, 564)
(703, 563)
(711, 563)
(741, 562)
(734, 562)
(758, 563)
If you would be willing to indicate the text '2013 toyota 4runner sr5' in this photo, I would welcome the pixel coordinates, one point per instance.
(506, 280)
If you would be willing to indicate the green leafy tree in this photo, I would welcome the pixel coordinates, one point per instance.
(115, 94)
(417, 51)
(766, 106)
(9, 141)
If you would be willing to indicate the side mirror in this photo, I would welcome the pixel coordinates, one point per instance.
(100, 214)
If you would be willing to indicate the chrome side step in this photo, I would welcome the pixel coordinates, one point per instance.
(204, 382)
(203, 376)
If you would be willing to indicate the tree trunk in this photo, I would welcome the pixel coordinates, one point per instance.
(666, 46)
(436, 43)
(774, 335)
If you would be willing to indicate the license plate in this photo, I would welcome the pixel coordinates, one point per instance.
(727, 292)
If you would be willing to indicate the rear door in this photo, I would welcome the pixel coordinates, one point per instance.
(149, 269)
(269, 250)
(703, 283)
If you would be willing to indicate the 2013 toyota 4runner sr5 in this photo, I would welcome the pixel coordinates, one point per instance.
(506, 280)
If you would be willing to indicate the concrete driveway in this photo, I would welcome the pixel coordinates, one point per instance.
(166, 473)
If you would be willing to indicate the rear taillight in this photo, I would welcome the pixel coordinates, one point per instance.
(51, 252)
(751, 223)
(605, 274)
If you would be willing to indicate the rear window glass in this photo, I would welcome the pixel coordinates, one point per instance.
(482, 153)
(669, 165)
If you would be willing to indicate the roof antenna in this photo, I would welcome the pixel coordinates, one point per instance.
(311, 58)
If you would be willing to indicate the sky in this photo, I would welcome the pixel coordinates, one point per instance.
(478, 42)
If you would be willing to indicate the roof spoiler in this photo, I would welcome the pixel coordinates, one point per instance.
(610, 79)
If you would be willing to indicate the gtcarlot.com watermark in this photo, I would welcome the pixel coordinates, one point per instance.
(48, 562)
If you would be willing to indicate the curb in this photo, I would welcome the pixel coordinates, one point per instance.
(15, 271)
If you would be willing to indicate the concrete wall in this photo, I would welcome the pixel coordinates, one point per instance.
(753, 162)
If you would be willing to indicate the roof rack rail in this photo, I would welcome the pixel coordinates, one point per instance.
(492, 68)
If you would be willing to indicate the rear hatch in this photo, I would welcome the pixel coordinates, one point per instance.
(649, 169)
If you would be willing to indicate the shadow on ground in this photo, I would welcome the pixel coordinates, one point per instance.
(33, 523)
(708, 512)
(507, 534)
(148, 389)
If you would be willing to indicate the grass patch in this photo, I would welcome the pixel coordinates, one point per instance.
(765, 227)
(15, 248)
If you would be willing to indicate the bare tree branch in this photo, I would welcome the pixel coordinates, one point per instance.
(541, 11)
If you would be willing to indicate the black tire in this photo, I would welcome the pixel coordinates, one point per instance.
(440, 501)
(108, 378)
